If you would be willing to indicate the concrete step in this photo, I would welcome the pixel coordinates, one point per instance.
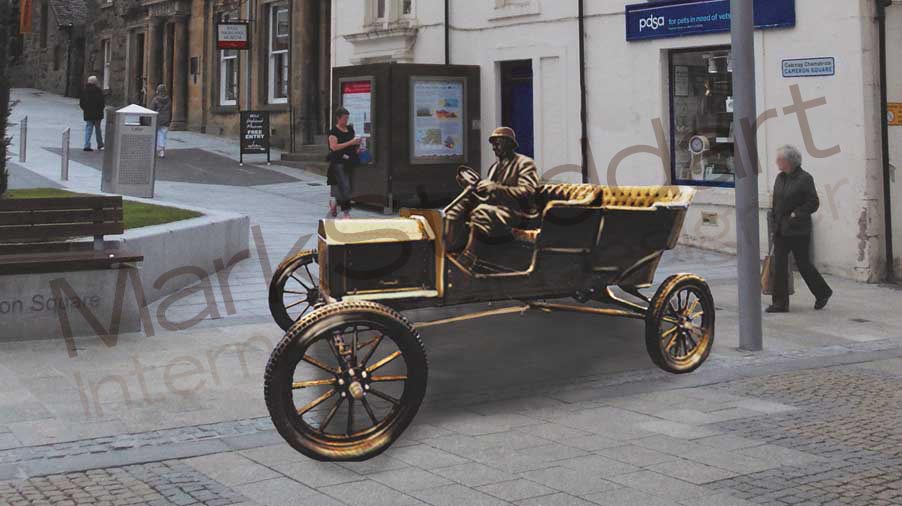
(319, 168)
(304, 157)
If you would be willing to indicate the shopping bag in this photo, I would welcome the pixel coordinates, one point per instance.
(768, 273)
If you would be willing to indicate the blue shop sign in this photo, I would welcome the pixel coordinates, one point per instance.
(676, 18)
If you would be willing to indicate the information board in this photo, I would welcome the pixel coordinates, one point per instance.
(675, 18)
(254, 133)
(437, 119)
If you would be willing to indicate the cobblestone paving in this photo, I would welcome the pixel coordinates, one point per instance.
(849, 416)
(157, 484)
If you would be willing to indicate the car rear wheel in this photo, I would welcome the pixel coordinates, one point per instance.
(679, 324)
(345, 381)
(294, 290)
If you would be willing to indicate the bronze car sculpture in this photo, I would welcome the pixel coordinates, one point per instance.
(350, 373)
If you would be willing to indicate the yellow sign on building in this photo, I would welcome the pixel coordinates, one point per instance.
(894, 114)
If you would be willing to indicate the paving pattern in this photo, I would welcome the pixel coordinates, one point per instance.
(157, 484)
(848, 416)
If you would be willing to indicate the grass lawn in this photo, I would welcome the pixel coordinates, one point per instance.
(137, 214)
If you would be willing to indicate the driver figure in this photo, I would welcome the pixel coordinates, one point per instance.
(492, 206)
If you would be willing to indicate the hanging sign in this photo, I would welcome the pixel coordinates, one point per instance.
(675, 18)
(809, 67)
(894, 113)
(232, 35)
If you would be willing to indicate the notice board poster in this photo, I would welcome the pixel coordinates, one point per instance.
(357, 98)
(438, 119)
(254, 132)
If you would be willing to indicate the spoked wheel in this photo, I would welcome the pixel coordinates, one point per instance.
(345, 381)
(294, 290)
(679, 325)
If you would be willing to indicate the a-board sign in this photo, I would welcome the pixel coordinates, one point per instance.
(232, 35)
(254, 133)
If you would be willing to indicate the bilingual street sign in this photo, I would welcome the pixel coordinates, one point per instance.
(809, 67)
(677, 18)
(232, 35)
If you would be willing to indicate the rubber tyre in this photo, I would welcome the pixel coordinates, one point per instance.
(277, 285)
(292, 348)
(653, 342)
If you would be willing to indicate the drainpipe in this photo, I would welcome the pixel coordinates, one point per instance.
(68, 29)
(884, 132)
(447, 32)
(584, 136)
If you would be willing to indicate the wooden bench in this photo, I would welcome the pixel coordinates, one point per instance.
(42, 235)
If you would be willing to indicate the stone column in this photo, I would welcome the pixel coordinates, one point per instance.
(305, 31)
(167, 55)
(180, 75)
(154, 48)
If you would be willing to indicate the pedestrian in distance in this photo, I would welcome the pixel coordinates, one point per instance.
(343, 156)
(163, 105)
(92, 103)
(794, 201)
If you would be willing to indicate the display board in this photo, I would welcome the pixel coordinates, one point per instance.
(437, 119)
(254, 135)
(357, 98)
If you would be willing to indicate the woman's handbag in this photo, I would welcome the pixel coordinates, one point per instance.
(768, 272)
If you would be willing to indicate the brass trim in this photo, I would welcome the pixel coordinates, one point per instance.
(549, 307)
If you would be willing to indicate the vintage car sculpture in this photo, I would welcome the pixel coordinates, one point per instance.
(350, 373)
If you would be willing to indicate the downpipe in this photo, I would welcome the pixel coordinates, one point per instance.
(884, 133)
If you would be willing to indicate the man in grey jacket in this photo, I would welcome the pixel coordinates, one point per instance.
(795, 200)
(163, 105)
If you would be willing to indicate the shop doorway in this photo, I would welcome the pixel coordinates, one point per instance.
(516, 102)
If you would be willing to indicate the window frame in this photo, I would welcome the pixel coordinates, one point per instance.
(106, 56)
(273, 54)
(224, 59)
(672, 120)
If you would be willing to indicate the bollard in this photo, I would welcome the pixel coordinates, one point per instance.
(23, 139)
(64, 160)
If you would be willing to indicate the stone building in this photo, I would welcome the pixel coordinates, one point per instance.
(51, 55)
(658, 99)
(109, 49)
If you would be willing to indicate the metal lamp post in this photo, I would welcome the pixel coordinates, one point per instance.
(745, 154)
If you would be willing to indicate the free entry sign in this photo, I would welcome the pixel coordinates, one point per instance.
(675, 18)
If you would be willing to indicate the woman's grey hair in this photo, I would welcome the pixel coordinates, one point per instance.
(791, 154)
(92, 80)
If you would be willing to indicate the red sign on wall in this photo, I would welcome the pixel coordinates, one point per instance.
(232, 35)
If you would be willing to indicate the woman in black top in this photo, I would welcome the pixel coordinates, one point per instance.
(343, 146)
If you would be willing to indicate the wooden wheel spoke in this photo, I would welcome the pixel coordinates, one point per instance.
(695, 315)
(350, 417)
(316, 402)
(387, 397)
(299, 281)
(671, 331)
(375, 343)
(317, 363)
(385, 361)
(369, 410)
(310, 276)
(331, 415)
(354, 346)
(298, 303)
(295, 293)
(376, 379)
(669, 319)
(670, 343)
(312, 383)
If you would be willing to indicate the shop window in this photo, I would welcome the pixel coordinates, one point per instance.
(107, 51)
(279, 27)
(701, 97)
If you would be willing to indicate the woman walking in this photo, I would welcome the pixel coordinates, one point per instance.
(795, 200)
(343, 147)
(163, 105)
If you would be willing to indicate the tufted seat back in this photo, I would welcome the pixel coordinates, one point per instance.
(641, 196)
(577, 194)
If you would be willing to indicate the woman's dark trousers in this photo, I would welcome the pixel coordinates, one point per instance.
(800, 247)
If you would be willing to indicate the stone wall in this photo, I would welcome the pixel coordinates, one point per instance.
(111, 22)
(43, 62)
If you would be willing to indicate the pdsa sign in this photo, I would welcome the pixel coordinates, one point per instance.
(675, 18)
(232, 35)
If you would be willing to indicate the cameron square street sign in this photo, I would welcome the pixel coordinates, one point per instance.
(675, 18)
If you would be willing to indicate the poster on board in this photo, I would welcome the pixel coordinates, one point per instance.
(357, 98)
(438, 118)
